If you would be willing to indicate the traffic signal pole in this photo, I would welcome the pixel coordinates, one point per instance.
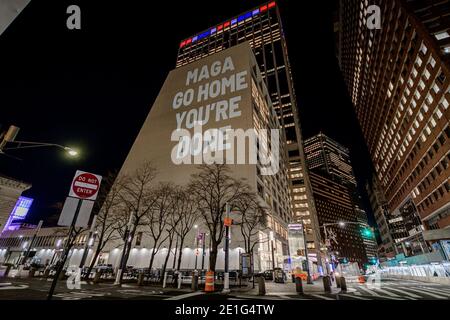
(226, 280)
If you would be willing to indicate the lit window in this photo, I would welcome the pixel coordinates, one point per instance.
(432, 62)
(442, 35)
(419, 61)
(436, 88)
(424, 49)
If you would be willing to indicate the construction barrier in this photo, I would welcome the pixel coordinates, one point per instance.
(361, 279)
(209, 281)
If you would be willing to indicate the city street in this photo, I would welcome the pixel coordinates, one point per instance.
(17, 289)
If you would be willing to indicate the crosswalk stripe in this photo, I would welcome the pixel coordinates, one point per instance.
(412, 295)
(285, 297)
(368, 291)
(383, 291)
(321, 297)
(436, 292)
(187, 295)
(426, 293)
(353, 296)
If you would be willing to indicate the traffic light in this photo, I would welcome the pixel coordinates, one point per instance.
(367, 232)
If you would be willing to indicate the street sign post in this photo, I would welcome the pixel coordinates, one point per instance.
(83, 191)
(85, 185)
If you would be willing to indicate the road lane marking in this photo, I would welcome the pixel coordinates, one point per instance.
(18, 287)
(5, 284)
(321, 297)
(187, 295)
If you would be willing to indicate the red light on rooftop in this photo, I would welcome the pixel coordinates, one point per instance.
(182, 44)
(188, 40)
(226, 24)
(220, 27)
(271, 4)
(263, 8)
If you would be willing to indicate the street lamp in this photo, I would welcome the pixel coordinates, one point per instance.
(196, 247)
(10, 137)
(272, 238)
(341, 224)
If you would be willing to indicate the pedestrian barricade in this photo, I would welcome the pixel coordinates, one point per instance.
(209, 283)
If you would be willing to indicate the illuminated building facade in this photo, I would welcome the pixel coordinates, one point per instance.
(326, 156)
(224, 91)
(10, 191)
(262, 28)
(399, 80)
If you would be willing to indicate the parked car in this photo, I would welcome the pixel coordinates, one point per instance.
(268, 275)
(105, 268)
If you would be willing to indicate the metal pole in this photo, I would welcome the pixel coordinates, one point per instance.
(87, 244)
(308, 278)
(226, 280)
(196, 250)
(32, 242)
(125, 245)
(203, 250)
(273, 255)
(66, 251)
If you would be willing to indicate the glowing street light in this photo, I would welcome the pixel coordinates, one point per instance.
(71, 151)
(9, 137)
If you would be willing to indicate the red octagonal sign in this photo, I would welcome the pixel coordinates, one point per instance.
(85, 185)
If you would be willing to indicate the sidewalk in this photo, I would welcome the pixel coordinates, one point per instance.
(287, 288)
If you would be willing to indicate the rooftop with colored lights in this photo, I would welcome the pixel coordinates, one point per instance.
(228, 24)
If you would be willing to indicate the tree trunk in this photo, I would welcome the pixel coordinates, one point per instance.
(166, 259)
(127, 252)
(152, 258)
(94, 259)
(175, 254)
(180, 254)
(213, 256)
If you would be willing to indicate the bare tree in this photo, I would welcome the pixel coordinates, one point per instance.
(252, 217)
(108, 217)
(137, 199)
(158, 217)
(187, 211)
(173, 220)
(213, 187)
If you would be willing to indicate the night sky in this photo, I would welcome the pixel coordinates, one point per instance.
(93, 88)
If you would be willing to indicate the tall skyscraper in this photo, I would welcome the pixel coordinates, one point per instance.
(262, 28)
(399, 80)
(337, 198)
(326, 156)
(334, 203)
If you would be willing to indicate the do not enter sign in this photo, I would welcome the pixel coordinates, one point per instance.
(85, 185)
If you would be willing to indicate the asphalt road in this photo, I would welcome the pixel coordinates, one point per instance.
(36, 289)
